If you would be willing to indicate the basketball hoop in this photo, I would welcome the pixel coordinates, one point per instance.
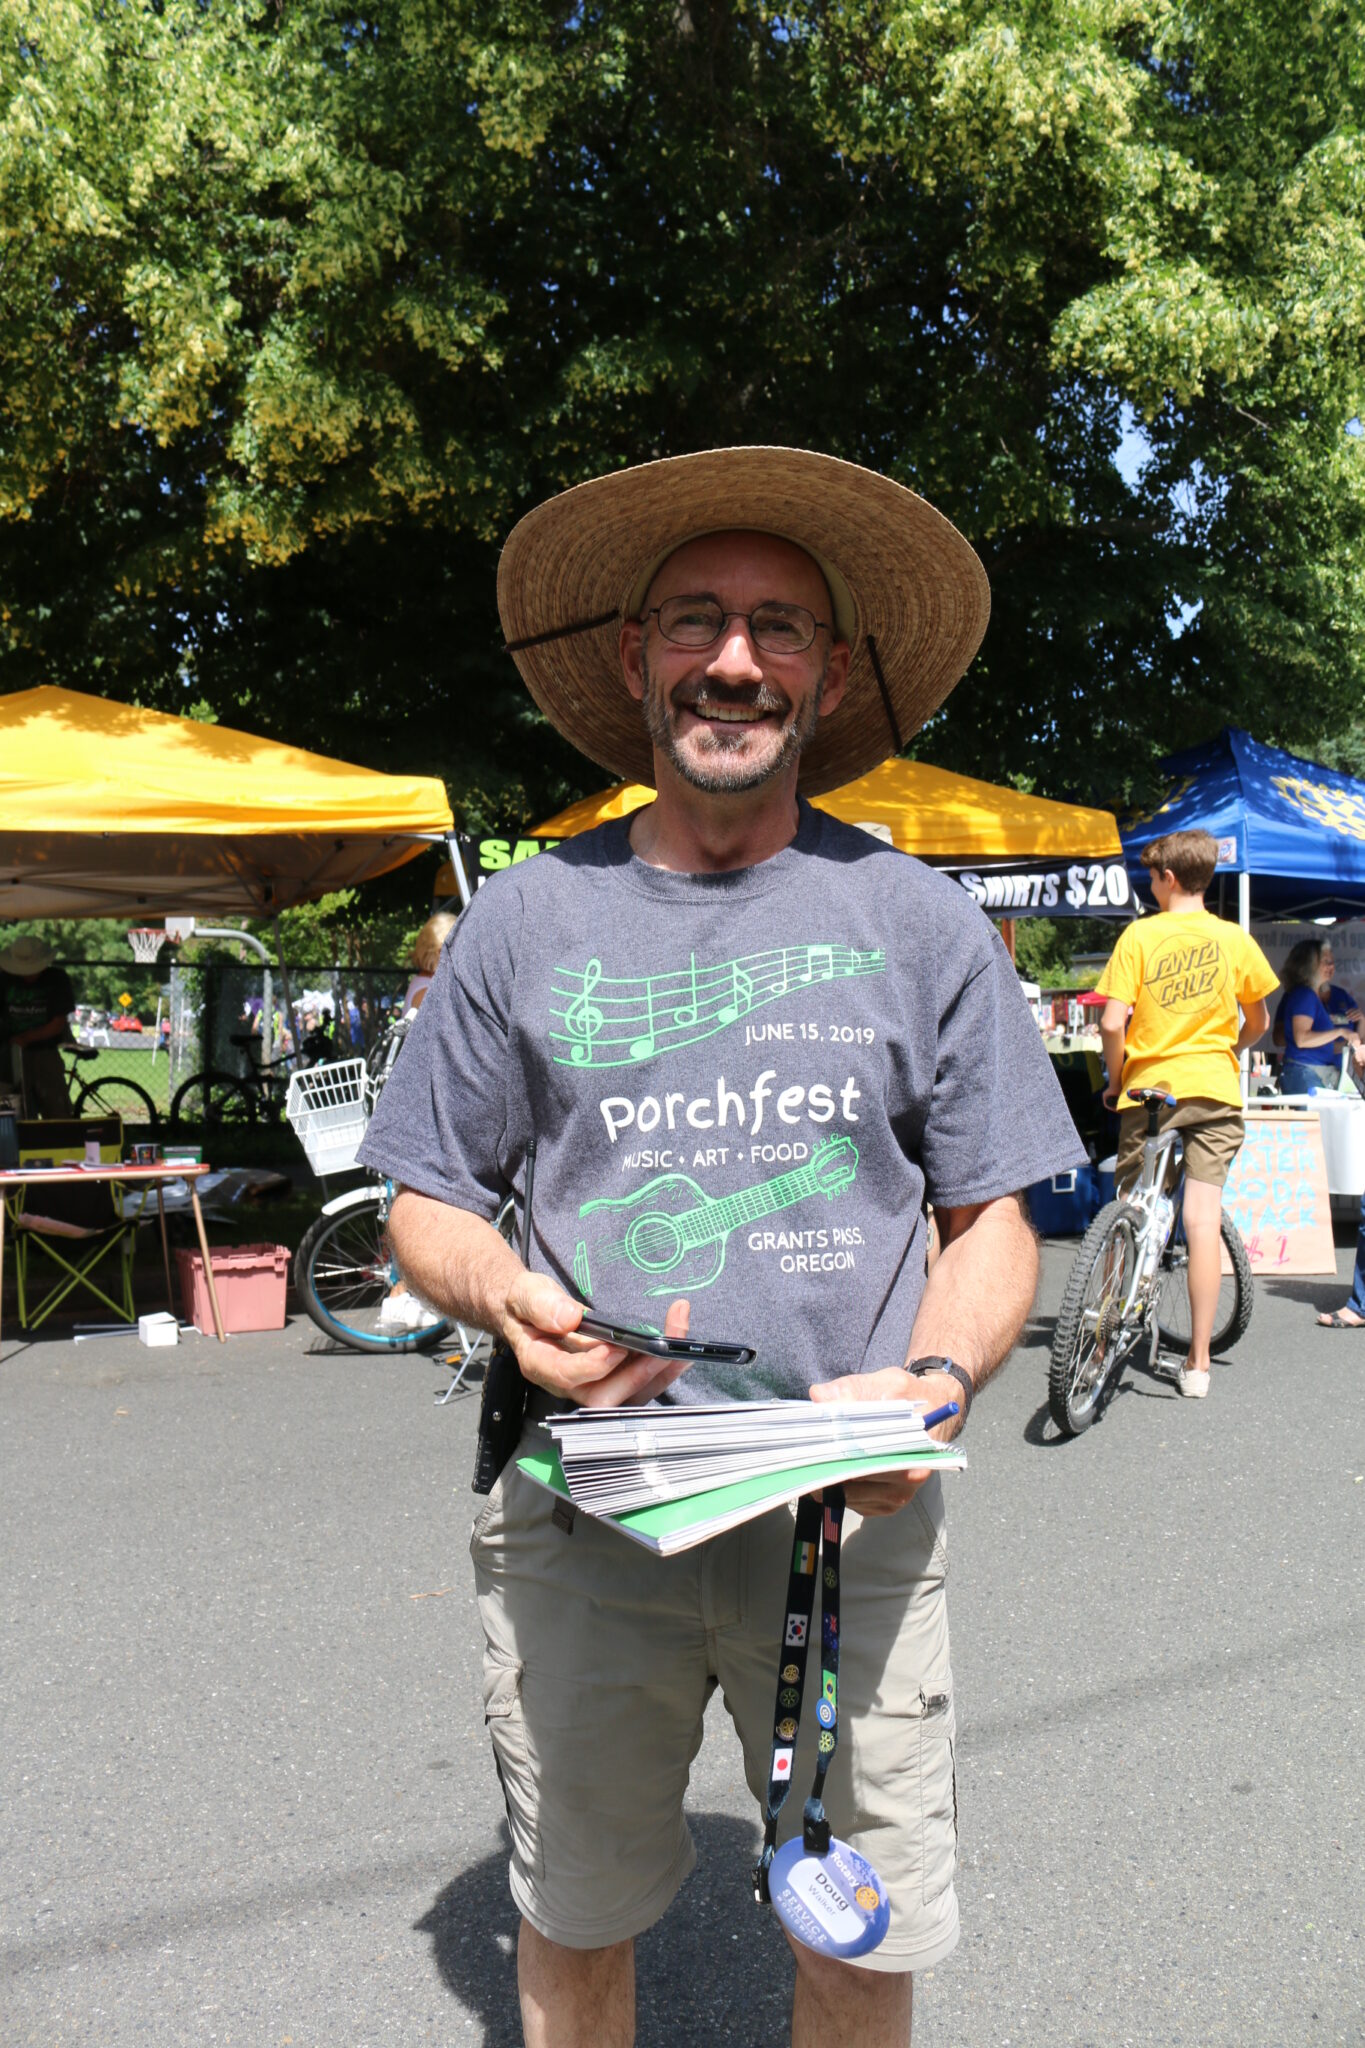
(146, 942)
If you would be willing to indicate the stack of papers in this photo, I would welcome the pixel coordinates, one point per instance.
(672, 1477)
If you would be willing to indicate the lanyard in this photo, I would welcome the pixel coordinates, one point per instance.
(812, 1525)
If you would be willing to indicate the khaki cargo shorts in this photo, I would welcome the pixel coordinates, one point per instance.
(1211, 1133)
(600, 1659)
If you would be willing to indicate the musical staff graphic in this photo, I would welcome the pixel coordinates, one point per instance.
(602, 1020)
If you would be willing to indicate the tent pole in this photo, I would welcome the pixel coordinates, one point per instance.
(1244, 920)
(457, 868)
(284, 982)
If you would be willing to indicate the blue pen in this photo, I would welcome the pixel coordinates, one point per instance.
(937, 1415)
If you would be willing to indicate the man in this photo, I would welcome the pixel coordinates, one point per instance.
(36, 1001)
(748, 1042)
(1183, 973)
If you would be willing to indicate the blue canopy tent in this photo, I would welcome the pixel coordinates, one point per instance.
(1291, 833)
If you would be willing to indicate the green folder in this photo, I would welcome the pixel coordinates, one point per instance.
(674, 1525)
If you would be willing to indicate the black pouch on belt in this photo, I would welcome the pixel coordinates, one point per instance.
(501, 1414)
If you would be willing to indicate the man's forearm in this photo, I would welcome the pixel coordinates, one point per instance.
(454, 1259)
(981, 1289)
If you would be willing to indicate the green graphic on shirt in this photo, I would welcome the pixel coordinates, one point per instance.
(669, 1236)
(601, 1020)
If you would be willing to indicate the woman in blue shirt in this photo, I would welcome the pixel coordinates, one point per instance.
(1312, 1038)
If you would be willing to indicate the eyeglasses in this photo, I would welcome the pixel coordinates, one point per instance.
(700, 621)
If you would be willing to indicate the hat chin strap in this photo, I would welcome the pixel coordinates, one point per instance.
(889, 707)
(561, 632)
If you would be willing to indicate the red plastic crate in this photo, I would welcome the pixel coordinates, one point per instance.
(250, 1280)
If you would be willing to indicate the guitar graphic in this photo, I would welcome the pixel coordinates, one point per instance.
(671, 1233)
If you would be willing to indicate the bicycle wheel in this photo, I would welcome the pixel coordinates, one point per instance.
(113, 1095)
(1235, 1292)
(210, 1100)
(344, 1271)
(1087, 1345)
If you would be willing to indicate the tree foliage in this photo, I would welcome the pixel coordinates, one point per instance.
(300, 309)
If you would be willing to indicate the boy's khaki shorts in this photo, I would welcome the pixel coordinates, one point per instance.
(1211, 1133)
(600, 1658)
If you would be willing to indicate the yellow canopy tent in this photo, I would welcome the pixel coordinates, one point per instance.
(107, 810)
(928, 811)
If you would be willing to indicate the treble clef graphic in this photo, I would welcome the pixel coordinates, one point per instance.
(583, 1020)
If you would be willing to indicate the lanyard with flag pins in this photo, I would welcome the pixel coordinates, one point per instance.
(824, 1893)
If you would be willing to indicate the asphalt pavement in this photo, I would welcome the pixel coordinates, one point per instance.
(247, 1797)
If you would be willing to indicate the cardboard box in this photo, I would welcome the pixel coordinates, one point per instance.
(158, 1329)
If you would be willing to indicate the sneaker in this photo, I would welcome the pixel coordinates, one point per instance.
(1193, 1384)
(405, 1312)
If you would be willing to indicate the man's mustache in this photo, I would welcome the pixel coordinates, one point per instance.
(700, 697)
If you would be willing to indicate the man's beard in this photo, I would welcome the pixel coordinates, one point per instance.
(721, 770)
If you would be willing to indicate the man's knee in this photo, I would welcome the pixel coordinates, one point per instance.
(844, 1987)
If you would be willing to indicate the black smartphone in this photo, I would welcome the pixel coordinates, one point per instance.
(665, 1347)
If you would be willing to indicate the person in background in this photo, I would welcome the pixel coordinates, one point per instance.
(426, 951)
(1183, 974)
(1313, 1038)
(36, 1001)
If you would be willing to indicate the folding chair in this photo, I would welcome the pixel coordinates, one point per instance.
(74, 1228)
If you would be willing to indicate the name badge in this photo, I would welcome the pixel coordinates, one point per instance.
(835, 1903)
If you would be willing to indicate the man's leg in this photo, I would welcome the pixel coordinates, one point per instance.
(1203, 1223)
(837, 2002)
(575, 1997)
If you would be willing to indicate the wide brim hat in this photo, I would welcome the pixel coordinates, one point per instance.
(909, 594)
(26, 956)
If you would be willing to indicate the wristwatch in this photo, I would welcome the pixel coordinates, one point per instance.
(919, 1366)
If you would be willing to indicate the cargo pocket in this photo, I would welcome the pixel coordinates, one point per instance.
(937, 1791)
(503, 1717)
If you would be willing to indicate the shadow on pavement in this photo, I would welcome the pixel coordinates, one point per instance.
(1317, 1294)
(715, 1969)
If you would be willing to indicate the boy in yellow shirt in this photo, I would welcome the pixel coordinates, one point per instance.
(1183, 973)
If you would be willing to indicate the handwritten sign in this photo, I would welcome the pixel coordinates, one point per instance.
(1277, 1194)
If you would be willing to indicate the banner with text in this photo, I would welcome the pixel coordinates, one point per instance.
(1041, 888)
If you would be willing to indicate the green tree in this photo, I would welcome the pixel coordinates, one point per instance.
(300, 311)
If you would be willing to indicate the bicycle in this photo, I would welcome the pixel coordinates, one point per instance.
(1129, 1283)
(213, 1097)
(112, 1095)
(344, 1268)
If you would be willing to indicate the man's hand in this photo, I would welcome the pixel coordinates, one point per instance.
(1112, 1092)
(539, 1323)
(886, 1492)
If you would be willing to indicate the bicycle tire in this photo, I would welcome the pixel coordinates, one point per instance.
(1235, 1294)
(1078, 1380)
(344, 1269)
(208, 1100)
(114, 1095)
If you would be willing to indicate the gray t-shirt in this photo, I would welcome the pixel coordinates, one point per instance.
(742, 1087)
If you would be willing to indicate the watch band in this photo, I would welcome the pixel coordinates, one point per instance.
(918, 1366)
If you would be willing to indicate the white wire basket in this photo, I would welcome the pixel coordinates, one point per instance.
(328, 1108)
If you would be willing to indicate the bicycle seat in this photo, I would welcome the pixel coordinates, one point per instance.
(84, 1052)
(1146, 1095)
(244, 1038)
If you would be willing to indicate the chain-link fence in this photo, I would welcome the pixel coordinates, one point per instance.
(143, 1033)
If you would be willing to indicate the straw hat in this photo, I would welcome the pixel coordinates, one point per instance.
(909, 594)
(26, 956)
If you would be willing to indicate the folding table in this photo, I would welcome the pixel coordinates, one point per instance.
(16, 1181)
